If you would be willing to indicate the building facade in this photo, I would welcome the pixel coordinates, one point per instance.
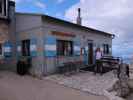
(48, 41)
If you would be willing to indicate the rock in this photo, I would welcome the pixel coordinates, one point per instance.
(116, 86)
(130, 83)
(121, 86)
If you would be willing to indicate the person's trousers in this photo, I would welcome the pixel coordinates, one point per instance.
(98, 67)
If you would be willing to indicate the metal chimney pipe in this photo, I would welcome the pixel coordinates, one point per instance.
(79, 19)
(79, 13)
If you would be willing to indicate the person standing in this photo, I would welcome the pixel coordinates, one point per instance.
(98, 67)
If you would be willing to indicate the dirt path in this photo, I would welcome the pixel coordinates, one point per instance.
(14, 87)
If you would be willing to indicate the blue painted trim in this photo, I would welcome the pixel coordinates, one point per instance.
(77, 53)
(33, 41)
(77, 44)
(50, 53)
(8, 44)
(7, 54)
(33, 53)
(50, 40)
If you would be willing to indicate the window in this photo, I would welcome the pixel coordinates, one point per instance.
(0, 49)
(3, 8)
(26, 48)
(0, 7)
(64, 48)
(106, 49)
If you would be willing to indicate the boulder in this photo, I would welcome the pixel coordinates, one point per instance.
(122, 87)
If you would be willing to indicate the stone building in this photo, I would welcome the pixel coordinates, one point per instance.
(48, 41)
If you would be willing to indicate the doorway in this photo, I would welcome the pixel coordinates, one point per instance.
(90, 53)
(25, 47)
(24, 63)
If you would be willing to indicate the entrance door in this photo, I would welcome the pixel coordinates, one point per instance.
(90, 53)
(26, 48)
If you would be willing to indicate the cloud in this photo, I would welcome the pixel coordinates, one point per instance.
(40, 4)
(114, 16)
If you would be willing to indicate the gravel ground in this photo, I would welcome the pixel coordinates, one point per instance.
(14, 87)
(130, 97)
(88, 82)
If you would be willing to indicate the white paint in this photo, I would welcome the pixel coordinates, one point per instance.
(94, 48)
(86, 48)
(101, 48)
(19, 48)
(76, 48)
(7, 49)
(110, 49)
(83, 51)
(33, 48)
(50, 47)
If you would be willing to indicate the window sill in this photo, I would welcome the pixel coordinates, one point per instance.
(66, 56)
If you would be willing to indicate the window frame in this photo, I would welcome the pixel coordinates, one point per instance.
(0, 7)
(4, 9)
(2, 50)
(64, 44)
(106, 49)
(25, 44)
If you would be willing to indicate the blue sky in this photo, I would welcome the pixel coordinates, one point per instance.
(54, 8)
(114, 16)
